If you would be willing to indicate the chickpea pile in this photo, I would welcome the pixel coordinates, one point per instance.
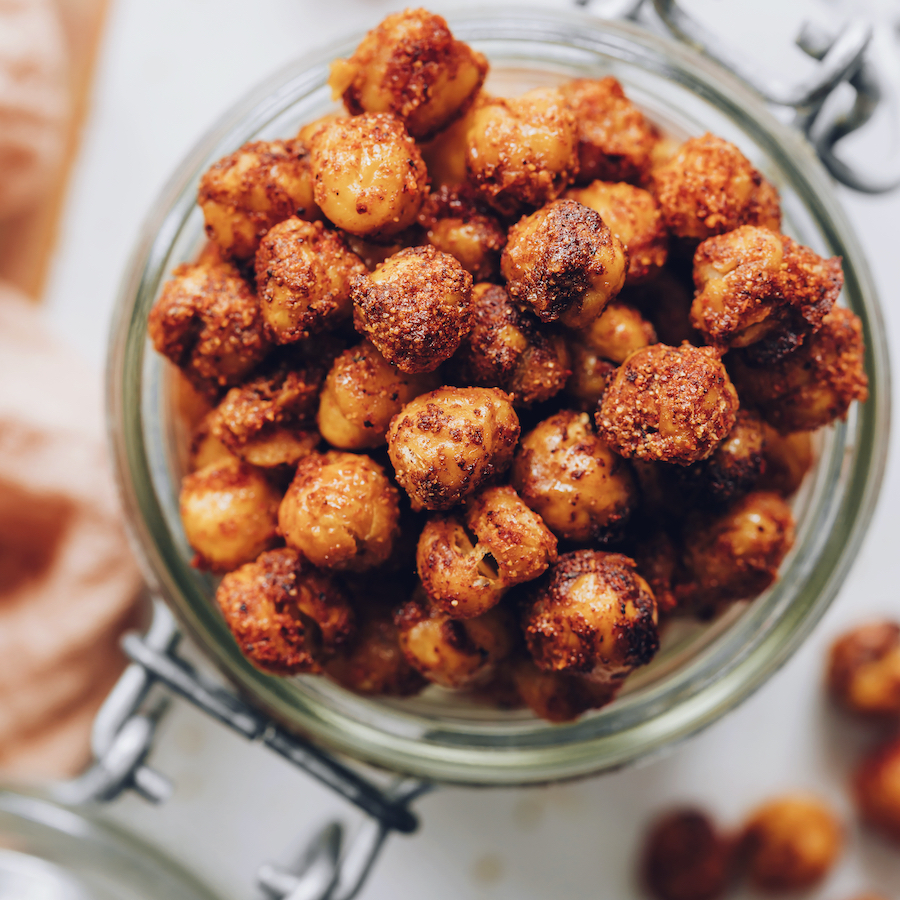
(444, 441)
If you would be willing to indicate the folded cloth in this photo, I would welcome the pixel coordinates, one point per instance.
(68, 583)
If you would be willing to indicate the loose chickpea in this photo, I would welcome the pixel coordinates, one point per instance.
(592, 613)
(877, 789)
(615, 141)
(445, 154)
(590, 375)
(522, 152)
(672, 404)
(229, 514)
(633, 216)
(563, 263)
(415, 308)
(791, 843)
(303, 274)
(362, 393)
(412, 66)
(571, 479)
(814, 385)
(864, 670)
(245, 194)
(369, 176)
(205, 447)
(686, 858)
(709, 187)
(787, 459)
(508, 349)
(285, 616)
(617, 332)
(445, 444)
(454, 653)
(559, 696)
(207, 321)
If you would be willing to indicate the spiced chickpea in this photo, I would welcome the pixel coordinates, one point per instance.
(590, 375)
(229, 514)
(659, 562)
(666, 303)
(563, 263)
(445, 444)
(633, 216)
(368, 174)
(340, 511)
(445, 154)
(373, 255)
(205, 447)
(617, 332)
(362, 393)
(508, 349)
(572, 480)
(592, 613)
(876, 786)
(864, 670)
(791, 843)
(559, 696)
(787, 459)
(412, 66)
(207, 321)
(243, 195)
(522, 152)
(284, 614)
(415, 308)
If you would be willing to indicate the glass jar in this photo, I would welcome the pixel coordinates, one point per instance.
(701, 672)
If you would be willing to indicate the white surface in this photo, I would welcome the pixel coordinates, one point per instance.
(168, 69)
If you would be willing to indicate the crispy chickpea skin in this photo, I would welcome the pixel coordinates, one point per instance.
(362, 393)
(791, 843)
(754, 285)
(466, 565)
(668, 404)
(508, 349)
(787, 459)
(864, 670)
(615, 141)
(686, 857)
(412, 66)
(814, 385)
(340, 511)
(284, 614)
(617, 332)
(445, 444)
(415, 308)
(368, 174)
(559, 696)
(633, 216)
(572, 480)
(229, 514)
(709, 187)
(243, 195)
(563, 263)
(303, 274)
(522, 152)
(456, 222)
(876, 786)
(207, 321)
(592, 613)
(453, 653)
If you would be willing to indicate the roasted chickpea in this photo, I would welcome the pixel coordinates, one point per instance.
(615, 141)
(592, 613)
(567, 475)
(369, 176)
(814, 385)
(709, 187)
(590, 375)
(445, 444)
(659, 562)
(522, 152)
(507, 349)
(686, 858)
(205, 447)
(666, 303)
(373, 255)
(303, 274)
(340, 511)
(671, 404)
(415, 308)
(791, 843)
(229, 514)
(362, 393)
(563, 263)
(559, 696)
(617, 332)
(284, 614)
(634, 218)
(454, 653)
(243, 195)
(207, 321)
(877, 789)
(864, 670)
(412, 66)
(787, 458)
